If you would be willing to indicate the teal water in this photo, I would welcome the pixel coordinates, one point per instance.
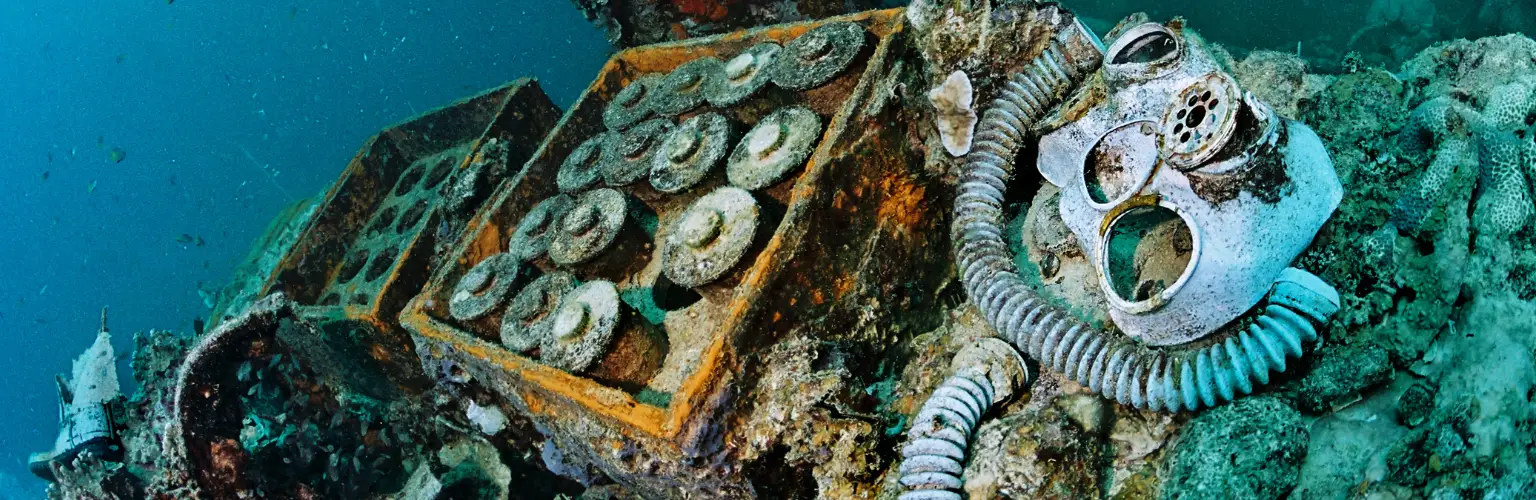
(226, 113)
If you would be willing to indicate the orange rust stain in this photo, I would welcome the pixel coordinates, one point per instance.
(528, 375)
(554, 393)
(842, 285)
(378, 352)
(903, 203)
(679, 32)
(535, 403)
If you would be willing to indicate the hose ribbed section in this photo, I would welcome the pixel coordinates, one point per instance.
(933, 460)
(1110, 365)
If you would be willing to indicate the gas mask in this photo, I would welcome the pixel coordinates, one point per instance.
(1189, 196)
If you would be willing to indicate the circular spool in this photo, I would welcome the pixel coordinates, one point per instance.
(484, 288)
(1199, 121)
(582, 328)
(629, 154)
(527, 322)
(778, 144)
(531, 238)
(685, 87)
(585, 164)
(689, 152)
(632, 103)
(710, 237)
(818, 56)
(744, 75)
(589, 227)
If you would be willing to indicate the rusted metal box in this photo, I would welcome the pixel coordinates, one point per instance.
(371, 241)
(850, 233)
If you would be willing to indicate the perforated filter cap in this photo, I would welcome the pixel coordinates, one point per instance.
(531, 238)
(777, 145)
(818, 56)
(589, 227)
(485, 288)
(527, 322)
(710, 237)
(690, 152)
(744, 75)
(583, 327)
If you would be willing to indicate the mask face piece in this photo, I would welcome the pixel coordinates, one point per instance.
(1188, 195)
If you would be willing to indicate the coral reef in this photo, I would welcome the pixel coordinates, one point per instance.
(1496, 141)
(1252, 448)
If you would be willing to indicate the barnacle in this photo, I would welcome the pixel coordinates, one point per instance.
(1496, 140)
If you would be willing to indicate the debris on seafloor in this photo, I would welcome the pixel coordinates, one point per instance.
(956, 120)
(728, 268)
(88, 401)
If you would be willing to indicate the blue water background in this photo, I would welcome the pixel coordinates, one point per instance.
(208, 99)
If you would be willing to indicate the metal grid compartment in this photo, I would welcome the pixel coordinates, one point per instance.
(830, 235)
(373, 238)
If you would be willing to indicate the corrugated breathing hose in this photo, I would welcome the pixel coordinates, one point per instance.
(986, 373)
(1111, 365)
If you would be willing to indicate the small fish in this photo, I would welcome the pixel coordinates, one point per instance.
(197, 325)
(91, 188)
(187, 239)
(121, 58)
(101, 141)
(43, 291)
(208, 299)
(117, 155)
(173, 179)
(45, 176)
(50, 157)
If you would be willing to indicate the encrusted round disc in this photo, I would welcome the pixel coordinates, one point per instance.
(689, 152)
(582, 328)
(631, 104)
(527, 320)
(818, 56)
(685, 87)
(589, 227)
(531, 238)
(710, 237)
(585, 164)
(484, 288)
(744, 75)
(1199, 121)
(629, 154)
(777, 145)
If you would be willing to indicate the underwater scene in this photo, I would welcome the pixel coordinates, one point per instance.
(850, 249)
